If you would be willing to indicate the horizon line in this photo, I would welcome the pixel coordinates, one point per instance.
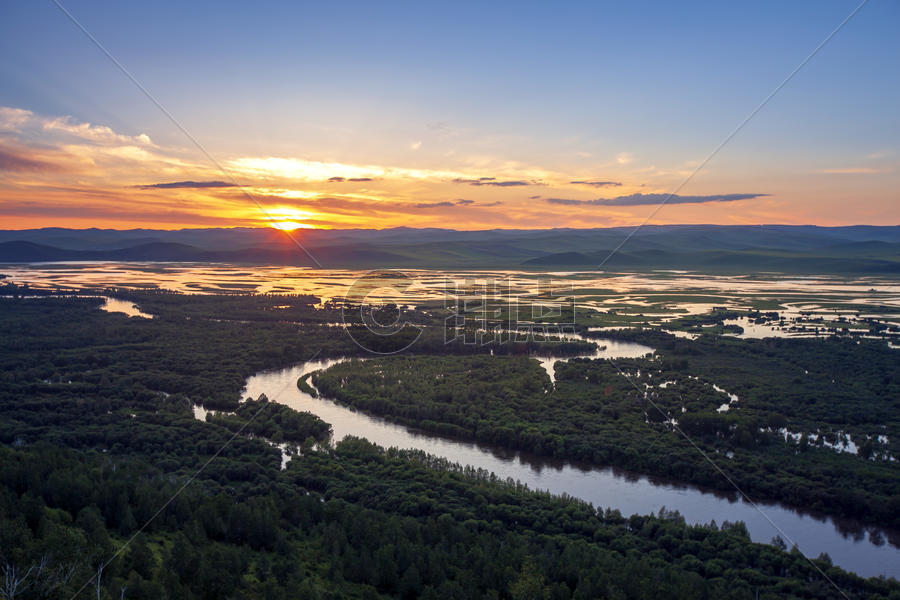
(404, 227)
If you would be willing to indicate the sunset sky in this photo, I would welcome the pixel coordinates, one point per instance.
(458, 115)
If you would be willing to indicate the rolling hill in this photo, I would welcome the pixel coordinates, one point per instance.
(807, 249)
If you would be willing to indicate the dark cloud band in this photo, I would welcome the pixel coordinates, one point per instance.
(598, 183)
(642, 199)
(494, 182)
(435, 204)
(457, 202)
(12, 161)
(187, 184)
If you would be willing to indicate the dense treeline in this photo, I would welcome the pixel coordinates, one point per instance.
(838, 383)
(49, 343)
(97, 435)
(360, 522)
(274, 422)
(597, 414)
(579, 550)
(238, 306)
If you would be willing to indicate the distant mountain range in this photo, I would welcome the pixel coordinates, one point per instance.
(741, 248)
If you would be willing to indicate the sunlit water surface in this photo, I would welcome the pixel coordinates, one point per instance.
(847, 544)
(602, 289)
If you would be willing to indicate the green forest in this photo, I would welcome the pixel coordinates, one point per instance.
(102, 464)
(617, 413)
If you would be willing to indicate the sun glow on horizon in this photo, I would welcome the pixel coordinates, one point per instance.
(85, 174)
(290, 225)
(288, 218)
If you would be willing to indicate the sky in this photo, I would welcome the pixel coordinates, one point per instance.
(458, 115)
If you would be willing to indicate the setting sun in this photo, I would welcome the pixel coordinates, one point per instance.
(288, 218)
(290, 225)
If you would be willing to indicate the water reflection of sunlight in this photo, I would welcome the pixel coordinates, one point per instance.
(647, 293)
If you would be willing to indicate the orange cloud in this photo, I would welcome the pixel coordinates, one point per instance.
(62, 172)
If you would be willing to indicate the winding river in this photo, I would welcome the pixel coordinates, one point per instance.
(847, 545)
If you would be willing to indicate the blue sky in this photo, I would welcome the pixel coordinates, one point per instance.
(580, 88)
